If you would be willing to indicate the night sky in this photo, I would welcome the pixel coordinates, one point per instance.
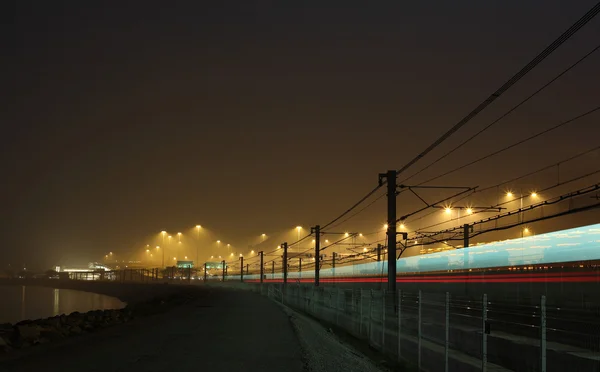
(126, 118)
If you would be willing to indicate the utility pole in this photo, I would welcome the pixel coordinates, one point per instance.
(466, 235)
(378, 252)
(262, 267)
(205, 272)
(284, 263)
(242, 269)
(333, 261)
(317, 231)
(223, 267)
(247, 269)
(273, 269)
(390, 177)
(299, 267)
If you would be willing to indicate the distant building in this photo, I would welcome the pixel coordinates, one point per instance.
(185, 264)
(214, 265)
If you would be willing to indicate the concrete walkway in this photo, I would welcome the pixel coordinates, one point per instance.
(217, 330)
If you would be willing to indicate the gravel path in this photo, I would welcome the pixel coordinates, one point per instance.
(323, 351)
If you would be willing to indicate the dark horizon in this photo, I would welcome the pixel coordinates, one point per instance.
(257, 118)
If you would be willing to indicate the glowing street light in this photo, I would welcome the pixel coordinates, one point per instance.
(198, 227)
(509, 194)
(534, 194)
(298, 228)
(385, 226)
(448, 210)
(469, 211)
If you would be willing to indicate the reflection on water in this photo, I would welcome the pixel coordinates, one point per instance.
(56, 302)
(21, 302)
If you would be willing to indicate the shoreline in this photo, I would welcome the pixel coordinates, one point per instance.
(141, 300)
(129, 293)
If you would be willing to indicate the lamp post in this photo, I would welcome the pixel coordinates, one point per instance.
(198, 227)
(163, 233)
(298, 228)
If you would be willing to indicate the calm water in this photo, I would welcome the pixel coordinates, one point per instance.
(21, 302)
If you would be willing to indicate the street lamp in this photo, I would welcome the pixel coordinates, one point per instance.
(198, 227)
(163, 233)
(298, 228)
(179, 237)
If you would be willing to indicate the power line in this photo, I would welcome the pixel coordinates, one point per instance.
(514, 144)
(352, 207)
(557, 199)
(539, 58)
(506, 227)
(360, 211)
(510, 201)
(480, 190)
(504, 115)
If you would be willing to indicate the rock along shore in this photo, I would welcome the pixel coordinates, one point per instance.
(143, 300)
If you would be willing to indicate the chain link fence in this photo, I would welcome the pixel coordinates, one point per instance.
(439, 332)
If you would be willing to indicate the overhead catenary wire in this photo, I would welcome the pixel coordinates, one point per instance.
(518, 76)
(504, 115)
(510, 226)
(557, 199)
(556, 164)
(559, 125)
(532, 64)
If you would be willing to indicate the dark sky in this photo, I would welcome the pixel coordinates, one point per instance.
(128, 117)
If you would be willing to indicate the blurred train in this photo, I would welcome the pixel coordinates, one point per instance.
(563, 265)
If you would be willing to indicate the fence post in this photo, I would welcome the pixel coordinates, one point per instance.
(420, 321)
(361, 313)
(370, 315)
(337, 306)
(447, 340)
(383, 321)
(399, 325)
(543, 334)
(484, 335)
